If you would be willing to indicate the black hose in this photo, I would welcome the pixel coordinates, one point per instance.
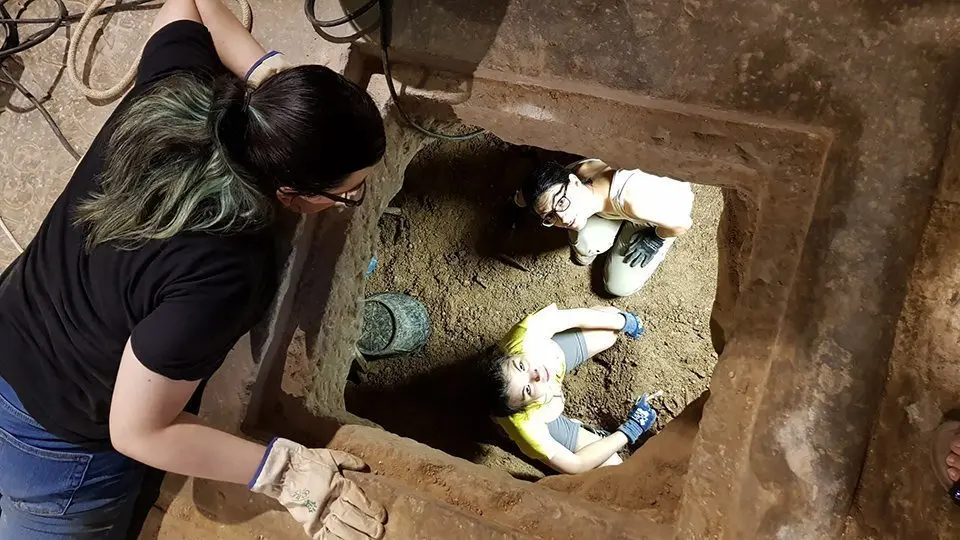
(63, 18)
(386, 23)
(12, 45)
(386, 35)
(309, 11)
(132, 5)
(385, 56)
(43, 111)
(38, 37)
(12, 39)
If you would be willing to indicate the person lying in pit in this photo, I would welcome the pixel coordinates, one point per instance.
(523, 385)
(637, 214)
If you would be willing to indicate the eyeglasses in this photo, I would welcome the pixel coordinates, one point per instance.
(350, 199)
(560, 204)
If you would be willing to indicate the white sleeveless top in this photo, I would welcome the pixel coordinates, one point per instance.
(659, 199)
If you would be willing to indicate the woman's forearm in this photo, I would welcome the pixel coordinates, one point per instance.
(589, 319)
(237, 49)
(190, 448)
(590, 456)
(596, 453)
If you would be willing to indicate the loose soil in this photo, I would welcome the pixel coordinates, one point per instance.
(455, 220)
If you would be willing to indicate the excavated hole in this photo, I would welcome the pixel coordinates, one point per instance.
(442, 249)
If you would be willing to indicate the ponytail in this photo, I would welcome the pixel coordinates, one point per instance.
(175, 163)
(190, 156)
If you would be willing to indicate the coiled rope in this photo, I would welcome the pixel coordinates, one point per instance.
(106, 94)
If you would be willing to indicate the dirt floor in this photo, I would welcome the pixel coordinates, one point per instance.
(455, 218)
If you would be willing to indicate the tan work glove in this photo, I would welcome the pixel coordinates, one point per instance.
(308, 482)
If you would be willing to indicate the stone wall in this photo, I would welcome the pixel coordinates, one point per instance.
(899, 495)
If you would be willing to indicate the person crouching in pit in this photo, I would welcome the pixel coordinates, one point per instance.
(634, 215)
(523, 384)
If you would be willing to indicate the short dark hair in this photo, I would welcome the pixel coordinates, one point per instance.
(493, 384)
(541, 179)
(306, 128)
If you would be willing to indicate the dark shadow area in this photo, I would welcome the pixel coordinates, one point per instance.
(15, 67)
(143, 527)
(429, 398)
(227, 503)
(456, 34)
(441, 408)
(596, 278)
(290, 418)
(460, 35)
(449, 35)
(220, 502)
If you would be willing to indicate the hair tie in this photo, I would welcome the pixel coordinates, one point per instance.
(264, 58)
(246, 99)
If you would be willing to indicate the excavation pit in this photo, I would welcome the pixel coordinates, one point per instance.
(442, 247)
(769, 172)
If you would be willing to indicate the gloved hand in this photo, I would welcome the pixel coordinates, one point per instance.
(633, 326)
(643, 245)
(641, 418)
(308, 482)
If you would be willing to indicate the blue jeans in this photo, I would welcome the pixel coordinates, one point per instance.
(51, 489)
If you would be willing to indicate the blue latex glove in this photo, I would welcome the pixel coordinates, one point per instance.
(641, 418)
(633, 326)
(644, 244)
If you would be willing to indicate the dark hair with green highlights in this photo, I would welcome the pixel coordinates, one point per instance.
(191, 155)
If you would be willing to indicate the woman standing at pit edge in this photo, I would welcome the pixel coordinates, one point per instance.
(154, 260)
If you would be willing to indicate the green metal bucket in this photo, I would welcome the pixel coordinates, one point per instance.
(393, 324)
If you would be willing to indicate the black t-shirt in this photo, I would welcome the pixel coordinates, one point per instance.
(66, 314)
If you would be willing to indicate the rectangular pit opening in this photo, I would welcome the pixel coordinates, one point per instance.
(441, 241)
(443, 248)
(769, 173)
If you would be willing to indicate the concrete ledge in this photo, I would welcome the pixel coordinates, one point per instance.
(529, 509)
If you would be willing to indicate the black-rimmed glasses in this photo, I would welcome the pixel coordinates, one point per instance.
(350, 199)
(560, 204)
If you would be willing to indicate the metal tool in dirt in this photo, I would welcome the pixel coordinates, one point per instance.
(513, 216)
